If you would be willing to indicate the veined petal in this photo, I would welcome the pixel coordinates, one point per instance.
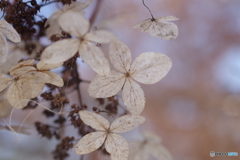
(60, 51)
(126, 123)
(77, 5)
(120, 56)
(94, 120)
(46, 66)
(90, 142)
(29, 62)
(3, 48)
(4, 82)
(20, 71)
(117, 146)
(150, 67)
(106, 86)
(167, 18)
(95, 58)
(55, 79)
(74, 23)
(133, 97)
(8, 31)
(100, 36)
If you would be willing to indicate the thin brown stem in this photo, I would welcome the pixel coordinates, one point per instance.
(148, 9)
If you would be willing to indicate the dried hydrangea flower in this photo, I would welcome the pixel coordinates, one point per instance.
(147, 68)
(5, 107)
(52, 22)
(115, 144)
(62, 50)
(160, 27)
(6, 30)
(150, 145)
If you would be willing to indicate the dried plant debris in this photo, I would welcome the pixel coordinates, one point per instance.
(147, 68)
(150, 145)
(6, 30)
(115, 144)
(65, 49)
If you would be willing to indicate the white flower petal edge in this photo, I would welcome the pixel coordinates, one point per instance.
(8, 31)
(100, 36)
(3, 48)
(133, 97)
(150, 67)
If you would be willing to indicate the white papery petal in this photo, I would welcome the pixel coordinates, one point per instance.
(90, 142)
(4, 82)
(77, 6)
(74, 23)
(94, 120)
(106, 86)
(100, 36)
(29, 62)
(60, 51)
(20, 71)
(150, 67)
(95, 58)
(55, 79)
(46, 66)
(8, 31)
(133, 97)
(160, 152)
(117, 146)
(52, 24)
(126, 123)
(3, 48)
(120, 56)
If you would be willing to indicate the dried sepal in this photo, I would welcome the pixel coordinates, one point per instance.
(42, 66)
(100, 36)
(55, 79)
(26, 63)
(4, 82)
(8, 31)
(160, 27)
(3, 48)
(21, 71)
(5, 108)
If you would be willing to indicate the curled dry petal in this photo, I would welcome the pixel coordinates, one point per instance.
(100, 36)
(74, 23)
(42, 66)
(60, 51)
(90, 142)
(133, 97)
(126, 123)
(150, 67)
(4, 82)
(20, 71)
(95, 58)
(3, 48)
(94, 120)
(120, 56)
(29, 62)
(8, 31)
(160, 27)
(106, 86)
(117, 146)
(55, 79)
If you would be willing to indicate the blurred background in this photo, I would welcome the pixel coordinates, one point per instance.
(195, 109)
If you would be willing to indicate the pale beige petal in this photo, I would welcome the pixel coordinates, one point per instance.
(160, 152)
(100, 36)
(151, 138)
(94, 120)
(42, 66)
(150, 67)
(55, 79)
(167, 18)
(8, 31)
(144, 25)
(74, 23)
(29, 62)
(3, 48)
(95, 58)
(5, 108)
(126, 123)
(4, 82)
(106, 86)
(117, 146)
(120, 56)
(52, 24)
(140, 152)
(77, 6)
(21, 71)
(133, 97)
(90, 142)
(60, 51)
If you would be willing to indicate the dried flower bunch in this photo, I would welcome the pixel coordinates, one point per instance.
(72, 37)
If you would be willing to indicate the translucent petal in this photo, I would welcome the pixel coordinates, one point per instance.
(140, 152)
(90, 142)
(95, 58)
(29, 62)
(167, 18)
(126, 123)
(133, 97)
(3, 48)
(120, 56)
(117, 146)
(94, 120)
(46, 66)
(4, 82)
(151, 138)
(23, 70)
(74, 23)
(77, 6)
(60, 51)
(106, 86)
(100, 36)
(8, 31)
(150, 67)
(55, 79)
(160, 152)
